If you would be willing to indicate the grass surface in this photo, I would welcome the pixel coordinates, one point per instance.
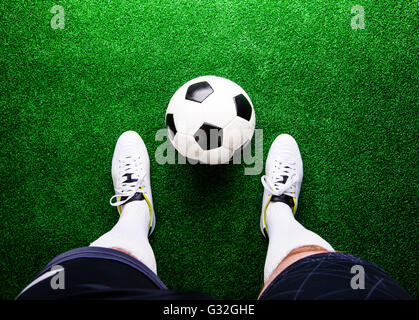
(349, 97)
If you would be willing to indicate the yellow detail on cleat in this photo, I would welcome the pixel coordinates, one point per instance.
(119, 207)
(149, 205)
(264, 214)
(266, 206)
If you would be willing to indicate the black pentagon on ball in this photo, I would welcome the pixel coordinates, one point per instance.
(243, 107)
(198, 92)
(170, 124)
(209, 136)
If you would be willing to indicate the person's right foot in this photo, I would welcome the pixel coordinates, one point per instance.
(283, 176)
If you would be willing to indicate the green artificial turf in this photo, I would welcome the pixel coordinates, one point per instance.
(349, 97)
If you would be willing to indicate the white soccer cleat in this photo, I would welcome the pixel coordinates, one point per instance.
(283, 176)
(131, 174)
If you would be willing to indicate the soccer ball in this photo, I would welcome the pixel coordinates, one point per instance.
(209, 119)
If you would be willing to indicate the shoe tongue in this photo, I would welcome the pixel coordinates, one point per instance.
(129, 178)
(284, 176)
(282, 180)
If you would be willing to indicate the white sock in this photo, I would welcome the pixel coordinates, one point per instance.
(286, 234)
(131, 234)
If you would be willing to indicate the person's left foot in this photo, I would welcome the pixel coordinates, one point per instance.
(131, 174)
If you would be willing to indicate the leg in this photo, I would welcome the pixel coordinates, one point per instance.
(291, 258)
(299, 263)
(131, 178)
(130, 234)
(282, 182)
(122, 259)
(285, 235)
(320, 275)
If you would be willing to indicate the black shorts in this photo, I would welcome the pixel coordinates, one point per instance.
(100, 273)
